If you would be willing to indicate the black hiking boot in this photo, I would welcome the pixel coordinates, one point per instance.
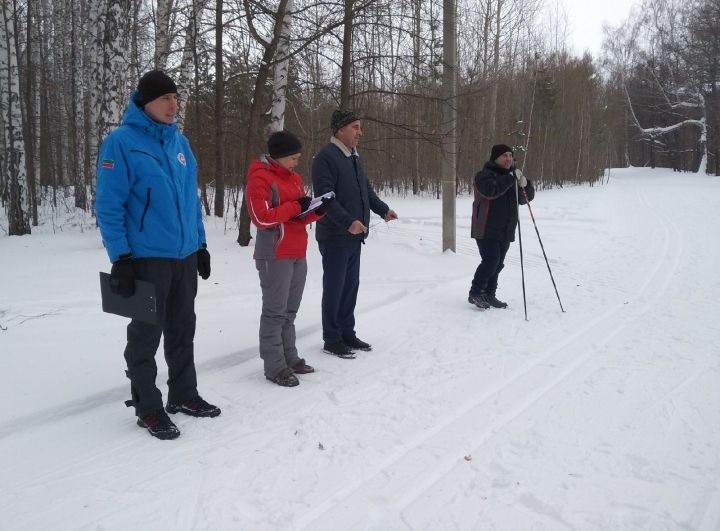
(479, 300)
(285, 378)
(494, 302)
(195, 407)
(354, 343)
(159, 425)
(302, 368)
(339, 349)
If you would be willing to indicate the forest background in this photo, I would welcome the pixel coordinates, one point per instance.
(245, 67)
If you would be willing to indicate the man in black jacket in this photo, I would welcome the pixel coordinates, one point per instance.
(498, 189)
(340, 234)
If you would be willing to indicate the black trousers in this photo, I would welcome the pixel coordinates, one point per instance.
(175, 286)
(341, 281)
(492, 261)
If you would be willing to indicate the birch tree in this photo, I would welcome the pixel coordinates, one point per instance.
(280, 78)
(115, 50)
(163, 33)
(14, 163)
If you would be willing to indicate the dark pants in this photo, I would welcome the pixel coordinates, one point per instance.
(175, 287)
(492, 261)
(341, 280)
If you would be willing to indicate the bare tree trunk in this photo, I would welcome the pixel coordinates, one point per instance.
(252, 137)
(115, 50)
(347, 55)
(163, 34)
(280, 80)
(189, 61)
(32, 106)
(18, 220)
(94, 82)
(219, 113)
(492, 119)
(76, 165)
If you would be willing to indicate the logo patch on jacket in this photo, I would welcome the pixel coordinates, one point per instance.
(181, 159)
(108, 163)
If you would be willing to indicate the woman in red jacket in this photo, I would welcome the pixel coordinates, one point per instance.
(275, 198)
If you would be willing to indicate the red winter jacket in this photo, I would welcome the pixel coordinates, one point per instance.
(271, 195)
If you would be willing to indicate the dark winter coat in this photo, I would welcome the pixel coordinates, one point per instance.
(272, 195)
(333, 171)
(495, 208)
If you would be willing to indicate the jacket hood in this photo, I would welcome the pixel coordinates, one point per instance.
(266, 163)
(136, 117)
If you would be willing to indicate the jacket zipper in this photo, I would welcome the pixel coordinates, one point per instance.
(147, 206)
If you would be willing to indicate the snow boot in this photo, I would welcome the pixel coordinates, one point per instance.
(302, 368)
(339, 349)
(479, 300)
(354, 343)
(159, 425)
(494, 302)
(285, 378)
(195, 407)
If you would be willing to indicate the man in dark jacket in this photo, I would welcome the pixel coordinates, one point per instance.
(150, 220)
(340, 234)
(498, 189)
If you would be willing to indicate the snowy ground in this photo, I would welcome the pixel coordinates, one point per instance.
(605, 417)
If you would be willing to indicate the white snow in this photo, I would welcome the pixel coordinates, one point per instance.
(604, 417)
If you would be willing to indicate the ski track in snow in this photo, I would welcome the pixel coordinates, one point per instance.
(325, 456)
(446, 441)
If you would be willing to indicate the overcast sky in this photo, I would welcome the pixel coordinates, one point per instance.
(586, 20)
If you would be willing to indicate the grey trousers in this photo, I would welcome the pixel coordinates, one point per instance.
(282, 282)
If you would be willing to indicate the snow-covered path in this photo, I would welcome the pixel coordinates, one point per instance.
(602, 417)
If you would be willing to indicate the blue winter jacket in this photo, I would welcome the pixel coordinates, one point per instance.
(147, 190)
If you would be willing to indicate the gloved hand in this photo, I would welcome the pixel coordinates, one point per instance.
(203, 262)
(323, 208)
(122, 276)
(304, 203)
(521, 180)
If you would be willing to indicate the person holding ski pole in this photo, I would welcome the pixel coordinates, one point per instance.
(494, 218)
(150, 219)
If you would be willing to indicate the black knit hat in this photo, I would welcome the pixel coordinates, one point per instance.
(154, 84)
(283, 144)
(499, 149)
(342, 117)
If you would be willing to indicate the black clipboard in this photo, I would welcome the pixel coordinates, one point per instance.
(141, 305)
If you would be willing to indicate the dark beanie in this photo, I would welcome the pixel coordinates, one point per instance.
(342, 117)
(499, 149)
(283, 144)
(154, 84)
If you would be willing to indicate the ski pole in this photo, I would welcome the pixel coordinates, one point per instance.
(522, 268)
(541, 247)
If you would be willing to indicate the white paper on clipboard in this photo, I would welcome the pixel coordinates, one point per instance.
(316, 202)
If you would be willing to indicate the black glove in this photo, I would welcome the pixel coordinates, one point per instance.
(304, 203)
(203, 263)
(122, 276)
(326, 202)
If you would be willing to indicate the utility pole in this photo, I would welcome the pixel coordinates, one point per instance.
(449, 139)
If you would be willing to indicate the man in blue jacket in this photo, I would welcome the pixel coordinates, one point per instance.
(340, 234)
(150, 220)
